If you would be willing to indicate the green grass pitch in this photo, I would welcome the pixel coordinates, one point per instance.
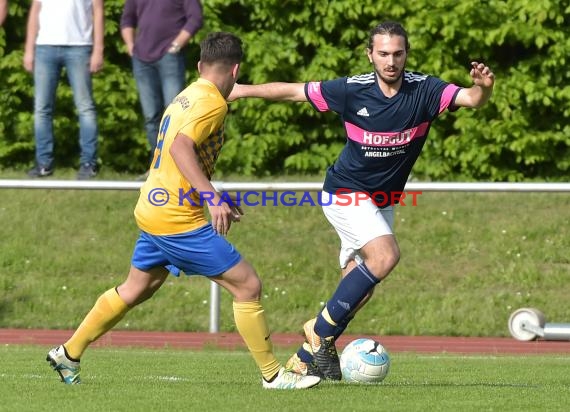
(216, 380)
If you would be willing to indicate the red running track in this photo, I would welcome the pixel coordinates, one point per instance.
(200, 340)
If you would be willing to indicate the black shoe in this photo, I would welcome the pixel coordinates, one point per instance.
(324, 352)
(40, 171)
(86, 171)
(313, 369)
(327, 360)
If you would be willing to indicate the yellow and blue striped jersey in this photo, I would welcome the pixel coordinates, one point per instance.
(165, 206)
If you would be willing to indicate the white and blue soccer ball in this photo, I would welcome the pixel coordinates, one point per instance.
(364, 361)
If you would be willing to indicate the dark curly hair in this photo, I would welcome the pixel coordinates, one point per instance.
(391, 28)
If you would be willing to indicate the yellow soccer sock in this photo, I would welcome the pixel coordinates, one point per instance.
(107, 311)
(252, 326)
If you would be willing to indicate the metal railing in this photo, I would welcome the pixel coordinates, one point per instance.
(294, 186)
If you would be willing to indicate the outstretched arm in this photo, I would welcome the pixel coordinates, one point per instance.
(478, 94)
(294, 92)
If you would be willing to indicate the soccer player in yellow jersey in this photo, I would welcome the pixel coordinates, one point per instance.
(175, 234)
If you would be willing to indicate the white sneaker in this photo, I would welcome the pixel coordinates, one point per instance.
(289, 380)
(68, 370)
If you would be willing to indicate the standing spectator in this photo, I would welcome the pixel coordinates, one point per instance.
(3, 11)
(64, 34)
(155, 33)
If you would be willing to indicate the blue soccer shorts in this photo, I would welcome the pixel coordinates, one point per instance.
(198, 252)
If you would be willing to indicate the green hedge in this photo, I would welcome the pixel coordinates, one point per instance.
(523, 133)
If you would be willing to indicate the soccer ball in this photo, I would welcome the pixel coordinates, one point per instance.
(364, 361)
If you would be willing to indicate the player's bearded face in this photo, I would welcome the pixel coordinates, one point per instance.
(388, 55)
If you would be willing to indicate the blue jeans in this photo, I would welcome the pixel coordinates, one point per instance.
(158, 83)
(48, 64)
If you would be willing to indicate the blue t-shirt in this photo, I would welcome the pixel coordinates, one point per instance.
(384, 135)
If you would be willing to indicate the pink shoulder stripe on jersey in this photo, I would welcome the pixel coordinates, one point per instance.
(385, 139)
(314, 92)
(447, 96)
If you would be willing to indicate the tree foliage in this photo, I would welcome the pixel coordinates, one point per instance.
(523, 133)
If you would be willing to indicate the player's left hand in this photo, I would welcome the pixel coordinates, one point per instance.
(482, 75)
(237, 211)
(223, 214)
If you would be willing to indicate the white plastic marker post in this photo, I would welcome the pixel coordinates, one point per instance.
(528, 324)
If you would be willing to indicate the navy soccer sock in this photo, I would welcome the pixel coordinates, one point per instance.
(350, 291)
(304, 354)
(341, 326)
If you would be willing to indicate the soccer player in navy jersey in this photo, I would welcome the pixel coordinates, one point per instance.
(387, 116)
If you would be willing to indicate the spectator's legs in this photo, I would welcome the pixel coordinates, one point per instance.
(150, 96)
(77, 66)
(172, 71)
(47, 69)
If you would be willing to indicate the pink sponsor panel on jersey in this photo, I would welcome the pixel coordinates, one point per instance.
(385, 139)
(447, 96)
(314, 91)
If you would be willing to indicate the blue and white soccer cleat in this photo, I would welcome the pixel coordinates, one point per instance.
(288, 380)
(68, 370)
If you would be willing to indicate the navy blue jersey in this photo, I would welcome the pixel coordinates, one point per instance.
(384, 135)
